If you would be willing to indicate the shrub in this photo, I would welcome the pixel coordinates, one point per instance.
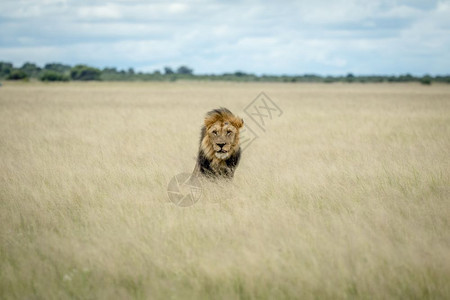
(82, 72)
(17, 75)
(54, 76)
(168, 71)
(350, 77)
(5, 68)
(184, 70)
(31, 69)
(426, 80)
(57, 67)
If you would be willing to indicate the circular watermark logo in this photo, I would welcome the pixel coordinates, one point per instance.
(184, 189)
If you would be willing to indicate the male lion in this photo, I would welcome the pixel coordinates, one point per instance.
(219, 152)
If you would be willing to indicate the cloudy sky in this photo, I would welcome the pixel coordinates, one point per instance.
(262, 37)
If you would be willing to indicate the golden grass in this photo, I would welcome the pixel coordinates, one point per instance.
(345, 195)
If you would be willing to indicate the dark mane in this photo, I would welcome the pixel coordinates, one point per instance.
(205, 167)
(219, 111)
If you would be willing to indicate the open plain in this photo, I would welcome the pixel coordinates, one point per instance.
(346, 194)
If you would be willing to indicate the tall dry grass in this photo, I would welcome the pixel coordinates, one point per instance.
(345, 195)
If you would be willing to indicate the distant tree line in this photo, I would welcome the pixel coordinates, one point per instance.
(62, 72)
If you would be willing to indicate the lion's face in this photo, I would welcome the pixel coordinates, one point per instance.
(222, 136)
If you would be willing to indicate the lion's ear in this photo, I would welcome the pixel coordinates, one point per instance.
(210, 120)
(238, 122)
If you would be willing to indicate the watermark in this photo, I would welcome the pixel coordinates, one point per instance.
(261, 110)
(185, 189)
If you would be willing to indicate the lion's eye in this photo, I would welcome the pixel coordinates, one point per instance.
(229, 132)
(214, 132)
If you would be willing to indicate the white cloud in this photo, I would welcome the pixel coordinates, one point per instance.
(108, 11)
(321, 36)
(336, 12)
(402, 11)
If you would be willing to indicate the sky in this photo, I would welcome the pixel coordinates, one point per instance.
(363, 37)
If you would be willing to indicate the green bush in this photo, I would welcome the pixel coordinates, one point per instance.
(17, 75)
(53, 76)
(57, 67)
(31, 69)
(184, 70)
(426, 80)
(82, 72)
(5, 68)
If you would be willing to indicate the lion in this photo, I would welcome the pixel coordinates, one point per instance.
(219, 152)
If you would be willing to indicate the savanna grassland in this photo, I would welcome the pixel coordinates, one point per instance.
(346, 195)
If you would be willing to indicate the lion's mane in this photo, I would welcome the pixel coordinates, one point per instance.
(207, 162)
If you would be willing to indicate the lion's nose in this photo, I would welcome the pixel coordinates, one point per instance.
(220, 144)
